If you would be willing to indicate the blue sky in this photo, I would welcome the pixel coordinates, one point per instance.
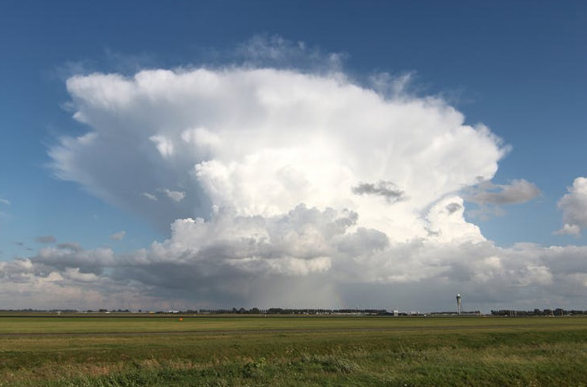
(517, 67)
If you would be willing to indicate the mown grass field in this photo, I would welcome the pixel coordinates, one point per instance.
(292, 351)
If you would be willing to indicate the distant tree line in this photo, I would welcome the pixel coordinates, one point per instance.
(452, 313)
(307, 311)
(538, 312)
(271, 311)
(274, 311)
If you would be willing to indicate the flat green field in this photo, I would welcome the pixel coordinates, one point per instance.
(292, 351)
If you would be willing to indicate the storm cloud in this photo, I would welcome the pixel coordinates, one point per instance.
(284, 187)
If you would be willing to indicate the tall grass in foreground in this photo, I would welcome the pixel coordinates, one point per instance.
(496, 356)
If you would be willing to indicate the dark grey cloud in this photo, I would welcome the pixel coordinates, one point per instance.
(385, 189)
(307, 258)
(453, 207)
(69, 246)
(519, 191)
(72, 256)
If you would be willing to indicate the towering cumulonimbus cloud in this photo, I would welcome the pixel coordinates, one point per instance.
(283, 188)
(262, 141)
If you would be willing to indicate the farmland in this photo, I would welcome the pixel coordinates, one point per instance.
(290, 351)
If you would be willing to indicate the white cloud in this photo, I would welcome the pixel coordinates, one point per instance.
(176, 196)
(264, 140)
(277, 52)
(150, 196)
(164, 145)
(574, 207)
(4, 201)
(569, 229)
(118, 236)
(256, 144)
(298, 188)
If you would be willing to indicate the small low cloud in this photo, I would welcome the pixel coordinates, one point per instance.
(164, 145)
(4, 201)
(118, 236)
(72, 246)
(150, 196)
(574, 207)
(385, 189)
(45, 239)
(176, 196)
(569, 229)
(519, 191)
